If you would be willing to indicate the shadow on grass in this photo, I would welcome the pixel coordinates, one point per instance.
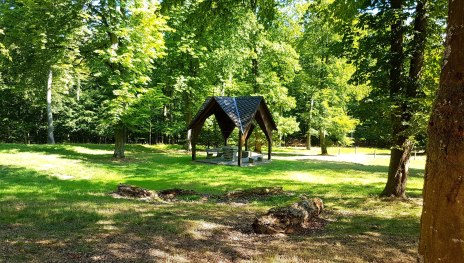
(156, 169)
(45, 218)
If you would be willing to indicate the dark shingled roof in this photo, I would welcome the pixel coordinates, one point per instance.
(240, 110)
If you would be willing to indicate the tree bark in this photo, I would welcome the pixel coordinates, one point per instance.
(50, 136)
(322, 142)
(398, 171)
(119, 141)
(442, 231)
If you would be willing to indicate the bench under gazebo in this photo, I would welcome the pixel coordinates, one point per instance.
(231, 113)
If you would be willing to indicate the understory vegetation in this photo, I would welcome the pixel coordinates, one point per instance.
(55, 205)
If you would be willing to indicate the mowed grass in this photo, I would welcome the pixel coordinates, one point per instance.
(55, 206)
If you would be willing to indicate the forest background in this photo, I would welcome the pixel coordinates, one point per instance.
(332, 72)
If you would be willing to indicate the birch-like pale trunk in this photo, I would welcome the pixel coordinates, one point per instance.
(50, 137)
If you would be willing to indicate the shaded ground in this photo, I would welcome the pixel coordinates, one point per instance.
(55, 207)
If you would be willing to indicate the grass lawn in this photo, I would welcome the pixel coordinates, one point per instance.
(55, 207)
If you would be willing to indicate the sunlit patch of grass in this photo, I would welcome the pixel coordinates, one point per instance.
(54, 200)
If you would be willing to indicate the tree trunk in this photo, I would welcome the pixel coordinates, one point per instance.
(442, 232)
(258, 142)
(188, 119)
(119, 141)
(418, 47)
(50, 136)
(150, 133)
(398, 171)
(308, 140)
(322, 142)
(308, 134)
(399, 158)
(254, 43)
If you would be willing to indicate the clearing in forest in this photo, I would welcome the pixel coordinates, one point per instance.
(55, 204)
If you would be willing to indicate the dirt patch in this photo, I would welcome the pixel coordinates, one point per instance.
(255, 192)
(238, 197)
(132, 191)
(175, 193)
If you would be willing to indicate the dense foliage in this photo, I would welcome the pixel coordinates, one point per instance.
(141, 69)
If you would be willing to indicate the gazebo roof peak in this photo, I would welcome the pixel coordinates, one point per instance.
(240, 110)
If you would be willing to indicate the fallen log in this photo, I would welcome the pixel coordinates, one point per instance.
(298, 216)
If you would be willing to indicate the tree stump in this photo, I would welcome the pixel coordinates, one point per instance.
(298, 216)
(135, 191)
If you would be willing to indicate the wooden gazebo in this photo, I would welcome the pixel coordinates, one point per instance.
(231, 112)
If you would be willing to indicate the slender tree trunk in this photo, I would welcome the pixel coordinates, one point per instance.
(78, 90)
(254, 59)
(322, 142)
(308, 134)
(50, 136)
(442, 223)
(258, 142)
(188, 119)
(308, 139)
(119, 141)
(150, 133)
(418, 47)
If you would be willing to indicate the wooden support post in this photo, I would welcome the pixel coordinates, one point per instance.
(195, 134)
(269, 148)
(246, 145)
(240, 144)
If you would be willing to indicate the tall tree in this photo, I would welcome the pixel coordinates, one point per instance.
(322, 88)
(442, 234)
(50, 136)
(39, 36)
(403, 93)
(126, 36)
(403, 96)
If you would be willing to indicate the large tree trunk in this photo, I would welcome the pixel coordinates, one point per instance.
(398, 170)
(119, 141)
(50, 136)
(442, 231)
(322, 142)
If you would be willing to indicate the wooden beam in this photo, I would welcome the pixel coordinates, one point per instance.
(269, 147)
(195, 133)
(240, 144)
